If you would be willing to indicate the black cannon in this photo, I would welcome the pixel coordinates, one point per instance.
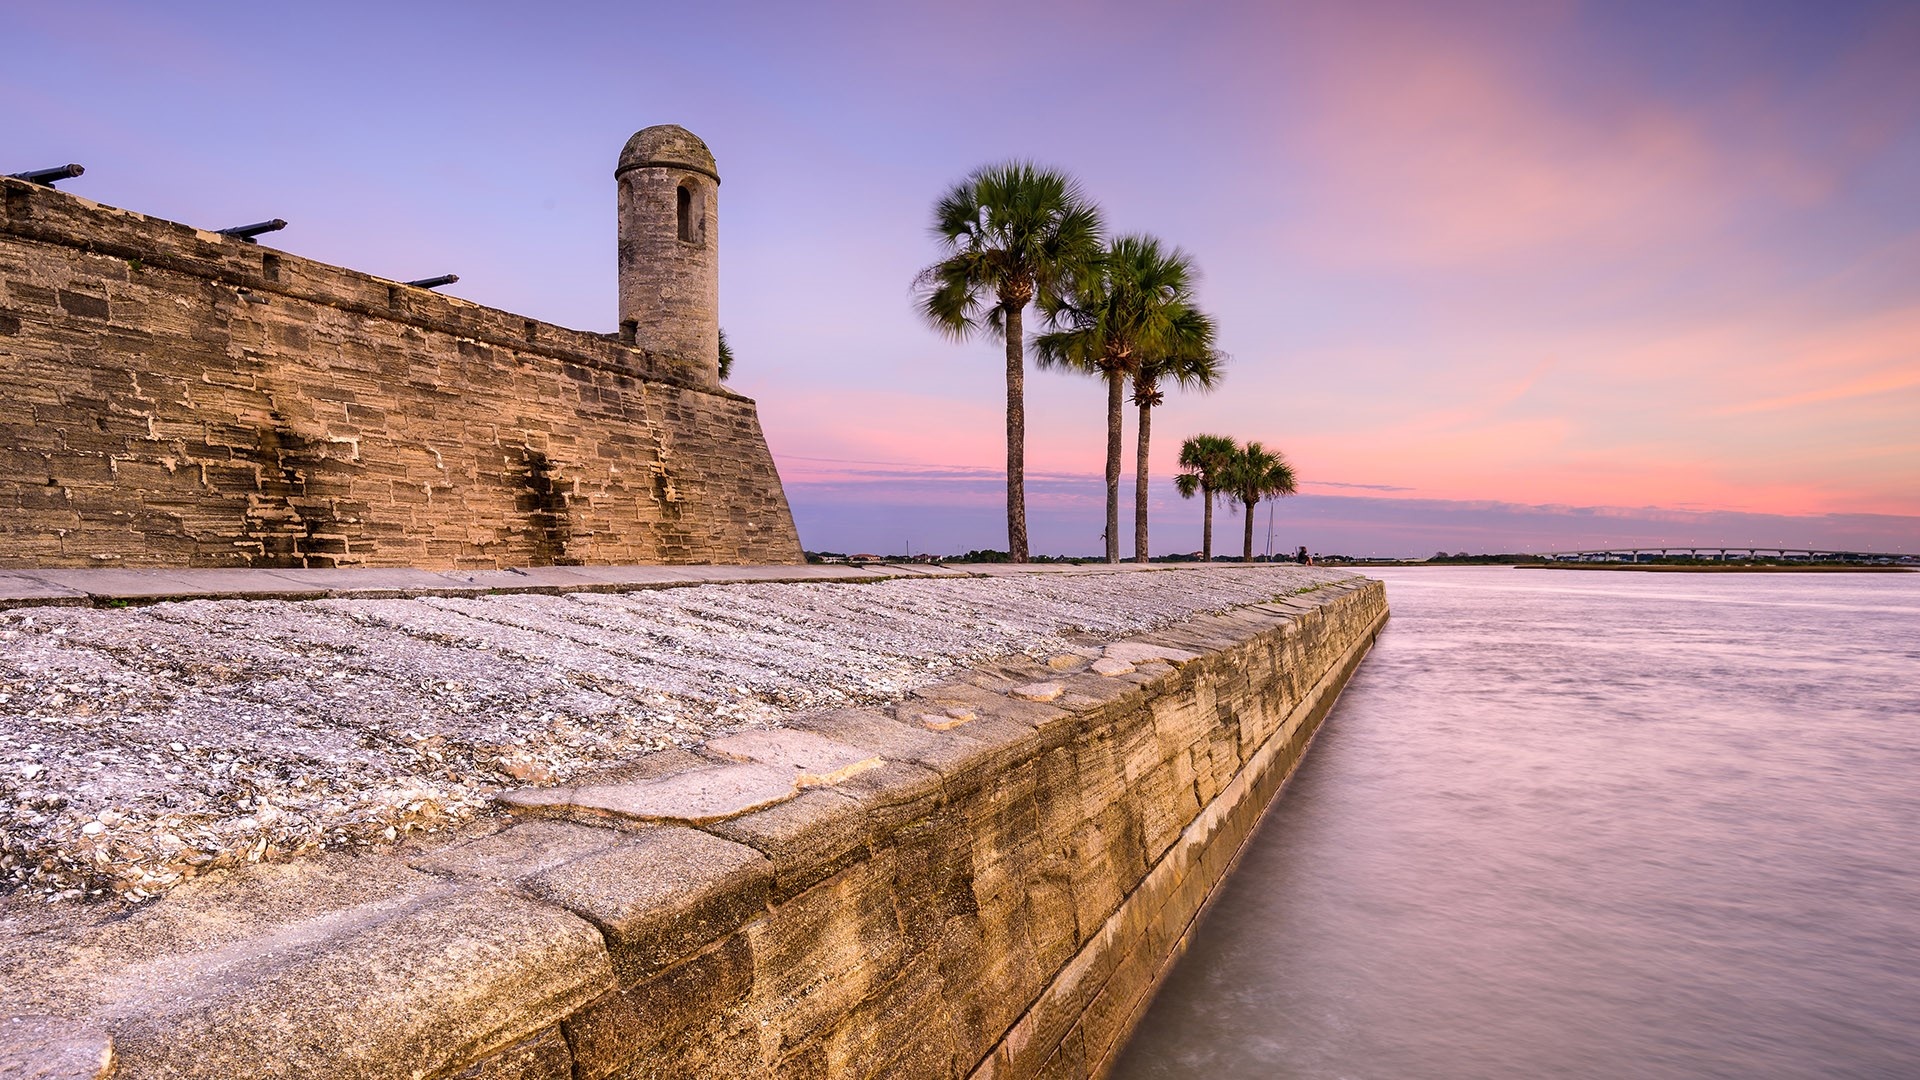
(248, 232)
(47, 177)
(434, 282)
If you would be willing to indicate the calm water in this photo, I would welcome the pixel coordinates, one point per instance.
(1571, 824)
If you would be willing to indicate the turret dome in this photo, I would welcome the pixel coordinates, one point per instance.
(667, 146)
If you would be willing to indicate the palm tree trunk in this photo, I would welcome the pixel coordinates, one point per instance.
(1206, 528)
(1113, 466)
(1016, 436)
(1247, 555)
(1140, 485)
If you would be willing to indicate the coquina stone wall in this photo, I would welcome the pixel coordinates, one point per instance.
(173, 397)
(984, 881)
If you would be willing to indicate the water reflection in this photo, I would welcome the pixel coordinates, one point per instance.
(1585, 825)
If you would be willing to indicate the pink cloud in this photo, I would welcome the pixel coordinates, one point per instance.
(1432, 140)
(1866, 358)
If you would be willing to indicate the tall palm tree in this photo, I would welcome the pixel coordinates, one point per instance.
(1256, 474)
(1131, 306)
(1205, 457)
(1194, 364)
(1011, 234)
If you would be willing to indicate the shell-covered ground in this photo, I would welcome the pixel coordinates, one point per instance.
(141, 746)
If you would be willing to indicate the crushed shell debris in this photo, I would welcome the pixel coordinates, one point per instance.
(144, 746)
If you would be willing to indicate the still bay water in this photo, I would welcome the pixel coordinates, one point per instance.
(1584, 824)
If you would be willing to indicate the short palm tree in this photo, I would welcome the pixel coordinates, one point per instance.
(1011, 234)
(1195, 365)
(1132, 306)
(1205, 457)
(1256, 474)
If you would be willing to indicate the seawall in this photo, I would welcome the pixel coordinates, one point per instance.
(181, 398)
(982, 880)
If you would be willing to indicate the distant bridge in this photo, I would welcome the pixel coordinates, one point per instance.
(1723, 554)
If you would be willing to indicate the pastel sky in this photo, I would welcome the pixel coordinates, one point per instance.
(1496, 277)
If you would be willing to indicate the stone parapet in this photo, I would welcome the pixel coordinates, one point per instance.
(143, 242)
(983, 879)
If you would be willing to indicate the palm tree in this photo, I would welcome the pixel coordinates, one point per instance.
(1255, 474)
(1205, 457)
(1011, 233)
(1194, 364)
(1132, 305)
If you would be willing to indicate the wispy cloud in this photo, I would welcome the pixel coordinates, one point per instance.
(1361, 487)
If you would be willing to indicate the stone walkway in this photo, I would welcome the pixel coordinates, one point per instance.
(143, 746)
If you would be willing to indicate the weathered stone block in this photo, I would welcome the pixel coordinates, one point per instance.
(523, 850)
(808, 839)
(870, 1040)
(661, 895)
(635, 1022)
(933, 878)
(543, 1056)
(437, 985)
(696, 796)
(824, 951)
(815, 759)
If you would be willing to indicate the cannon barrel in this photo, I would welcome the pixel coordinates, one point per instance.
(46, 177)
(434, 282)
(248, 232)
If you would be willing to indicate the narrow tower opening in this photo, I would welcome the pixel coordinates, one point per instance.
(692, 213)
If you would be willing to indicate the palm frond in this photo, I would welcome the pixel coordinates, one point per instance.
(1255, 474)
(1008, 232)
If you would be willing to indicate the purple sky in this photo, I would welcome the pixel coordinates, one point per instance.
(1496, 277)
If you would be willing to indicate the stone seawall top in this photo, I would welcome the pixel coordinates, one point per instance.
(951, 870)
(142, 747)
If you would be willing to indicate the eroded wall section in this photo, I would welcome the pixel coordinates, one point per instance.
(172, 397)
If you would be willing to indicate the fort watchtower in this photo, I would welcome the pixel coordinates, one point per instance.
(670, 247)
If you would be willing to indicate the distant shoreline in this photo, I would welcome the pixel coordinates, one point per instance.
(1671, 568)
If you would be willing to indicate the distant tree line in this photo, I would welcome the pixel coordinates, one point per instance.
(1464, 559)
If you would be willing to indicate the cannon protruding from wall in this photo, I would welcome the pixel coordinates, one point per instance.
(258, 228)
(48, 177)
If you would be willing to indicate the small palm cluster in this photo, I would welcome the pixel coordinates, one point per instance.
(1218, 467)
(1015, 235)
(1130, 317)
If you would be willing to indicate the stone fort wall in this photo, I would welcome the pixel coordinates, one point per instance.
(173, 397)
